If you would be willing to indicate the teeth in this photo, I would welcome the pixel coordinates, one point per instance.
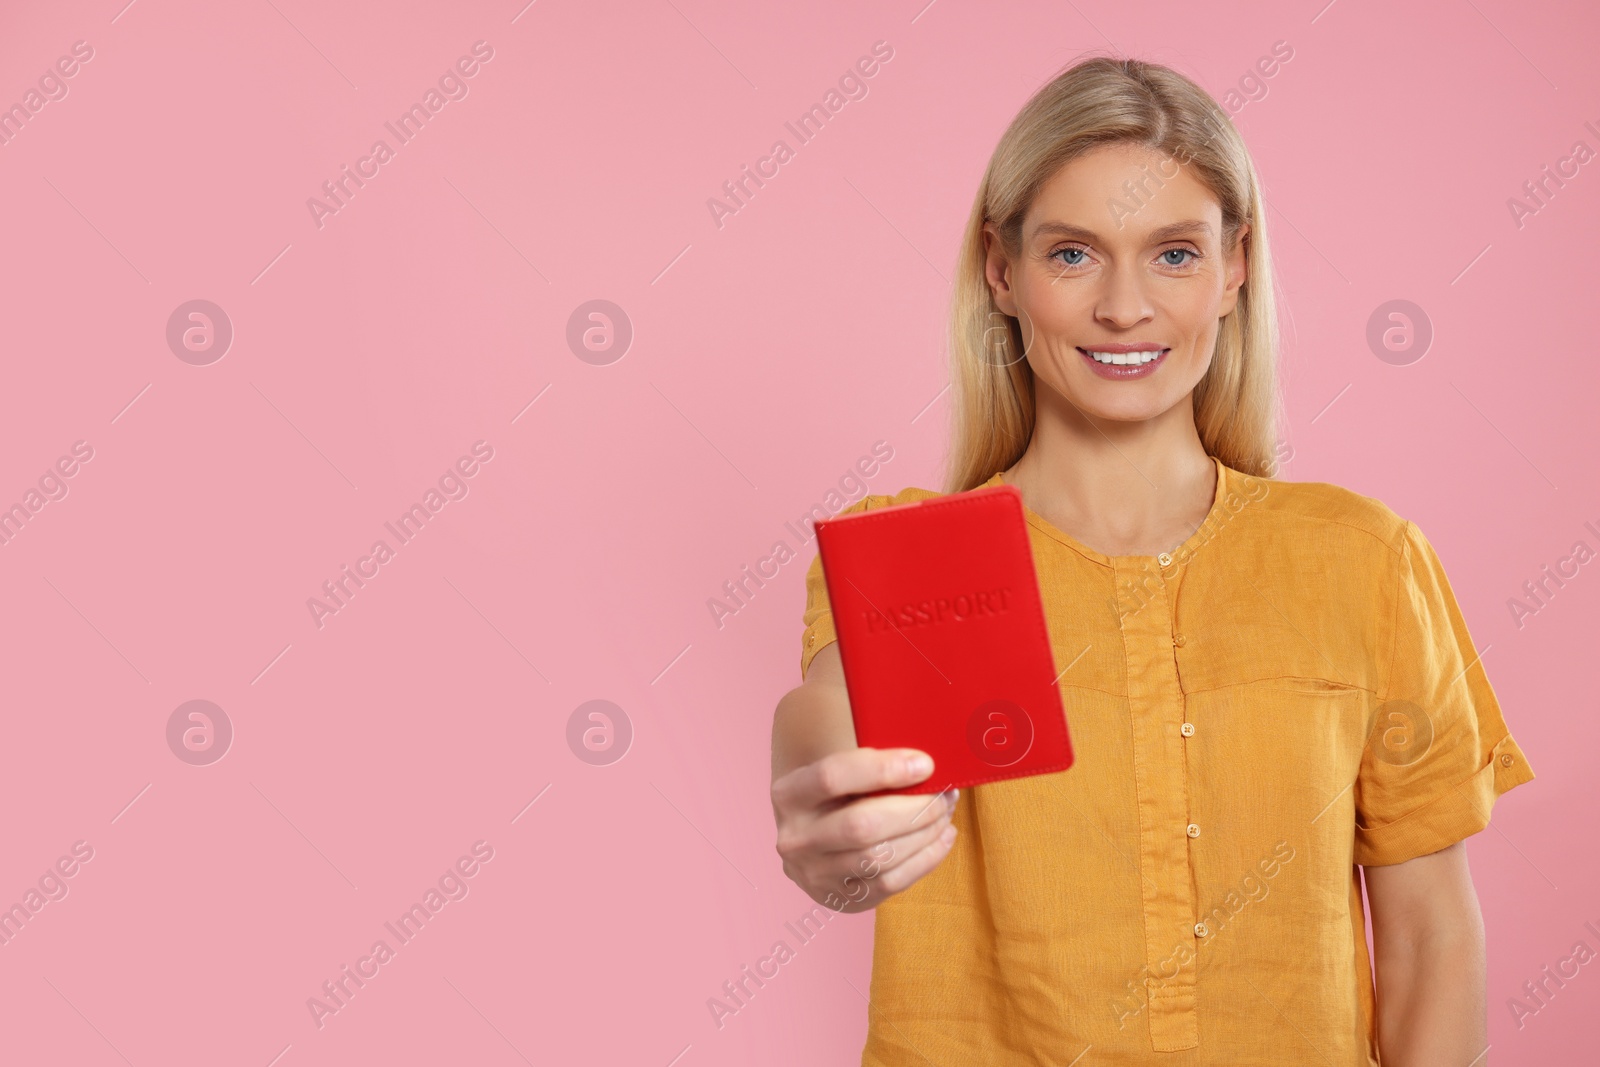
(1123, 358)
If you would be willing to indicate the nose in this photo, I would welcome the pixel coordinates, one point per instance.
(1122, 303)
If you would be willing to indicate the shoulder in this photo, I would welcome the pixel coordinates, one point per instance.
(909, 495)
(1333, 511)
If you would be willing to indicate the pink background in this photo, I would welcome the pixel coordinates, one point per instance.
(767, 356)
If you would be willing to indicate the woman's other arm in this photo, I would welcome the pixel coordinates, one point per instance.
(1429, 961)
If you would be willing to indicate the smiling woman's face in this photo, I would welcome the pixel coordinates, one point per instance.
(1112, 264)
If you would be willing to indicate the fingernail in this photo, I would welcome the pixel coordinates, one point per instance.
(949, 834)
(919, 765)
(955, 795)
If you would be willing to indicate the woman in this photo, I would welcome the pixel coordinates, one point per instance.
(1271, 693)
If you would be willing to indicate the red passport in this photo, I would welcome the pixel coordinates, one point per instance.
(942, 636)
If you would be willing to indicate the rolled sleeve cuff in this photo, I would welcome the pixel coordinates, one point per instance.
(818, 634)
(1450, 817)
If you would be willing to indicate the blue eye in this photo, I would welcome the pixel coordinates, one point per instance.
(1172, 257)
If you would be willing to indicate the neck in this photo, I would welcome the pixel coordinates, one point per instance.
(1125, 488)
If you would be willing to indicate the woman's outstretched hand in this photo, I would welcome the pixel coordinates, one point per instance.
(851, 852)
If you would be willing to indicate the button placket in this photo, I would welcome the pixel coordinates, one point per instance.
(1156, 712)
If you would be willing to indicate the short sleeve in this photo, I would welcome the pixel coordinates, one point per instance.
(1439, 752)
(818, 617)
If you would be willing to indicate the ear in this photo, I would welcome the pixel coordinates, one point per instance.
(1238, 266)
(997, 271)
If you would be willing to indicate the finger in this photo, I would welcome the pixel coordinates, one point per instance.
(852, 771)
(887, 855)
(852, 874)
(904, 875)
(859, 823)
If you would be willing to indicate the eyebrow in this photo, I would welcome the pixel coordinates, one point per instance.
(1165, 233)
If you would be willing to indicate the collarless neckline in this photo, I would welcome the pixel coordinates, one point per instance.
(1184, 550)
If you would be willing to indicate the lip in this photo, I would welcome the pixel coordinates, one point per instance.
(1123, 349)
(1115, 373)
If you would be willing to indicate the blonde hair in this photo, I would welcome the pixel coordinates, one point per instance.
(1097, 102)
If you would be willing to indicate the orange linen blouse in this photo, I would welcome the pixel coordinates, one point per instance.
(1289, 694)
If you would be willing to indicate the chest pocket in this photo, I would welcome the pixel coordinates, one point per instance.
(1284, 751)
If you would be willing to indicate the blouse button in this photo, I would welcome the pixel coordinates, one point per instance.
(811, 639)
(1165, 559)
(1187, 729)
(1179, 640)
(1507, 760)
(1194, 830)
(1200, 930)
